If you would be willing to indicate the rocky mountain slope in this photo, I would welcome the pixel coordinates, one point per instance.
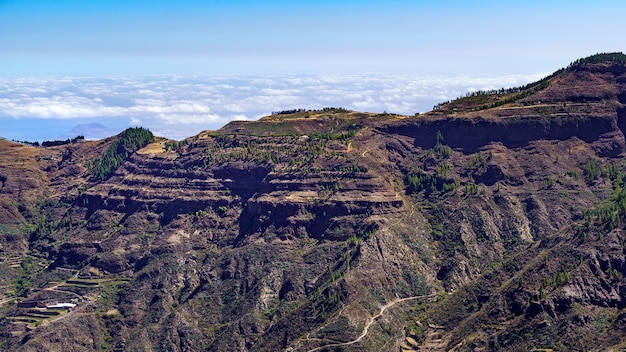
(495, 222)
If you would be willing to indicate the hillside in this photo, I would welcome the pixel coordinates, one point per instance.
(495, 222)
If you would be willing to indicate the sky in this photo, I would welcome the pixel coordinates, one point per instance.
(161, 63)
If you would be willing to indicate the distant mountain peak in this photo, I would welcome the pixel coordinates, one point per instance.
(93, 130)
(83, 126)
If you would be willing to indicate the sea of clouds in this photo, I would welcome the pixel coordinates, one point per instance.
(181, 106)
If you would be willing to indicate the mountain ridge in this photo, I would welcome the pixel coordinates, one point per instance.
(295, 231)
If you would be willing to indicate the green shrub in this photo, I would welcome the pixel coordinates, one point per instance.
(591, 170)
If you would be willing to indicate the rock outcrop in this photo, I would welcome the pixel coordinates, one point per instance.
(500, 217)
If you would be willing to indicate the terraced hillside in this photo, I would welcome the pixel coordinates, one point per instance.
(493, 223)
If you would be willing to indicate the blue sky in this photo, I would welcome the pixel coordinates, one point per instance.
(123, 63)
(70, 37)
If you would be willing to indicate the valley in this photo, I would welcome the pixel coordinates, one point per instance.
(495, 222)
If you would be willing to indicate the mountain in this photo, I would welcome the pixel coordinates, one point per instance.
(91, 131)
(495, 222)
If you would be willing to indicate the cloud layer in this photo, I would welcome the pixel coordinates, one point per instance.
(177, 107)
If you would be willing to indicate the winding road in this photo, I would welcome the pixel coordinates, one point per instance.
(371, 321)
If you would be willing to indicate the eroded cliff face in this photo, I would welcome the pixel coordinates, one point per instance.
(247, 229)
(470, 134)
(498, 229)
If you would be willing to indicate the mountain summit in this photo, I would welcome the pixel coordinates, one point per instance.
(495, 222)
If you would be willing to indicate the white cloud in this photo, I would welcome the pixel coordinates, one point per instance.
(173, 105)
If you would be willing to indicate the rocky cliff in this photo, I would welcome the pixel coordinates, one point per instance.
(495, 222)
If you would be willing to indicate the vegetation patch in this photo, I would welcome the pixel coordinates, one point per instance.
(132, 139)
